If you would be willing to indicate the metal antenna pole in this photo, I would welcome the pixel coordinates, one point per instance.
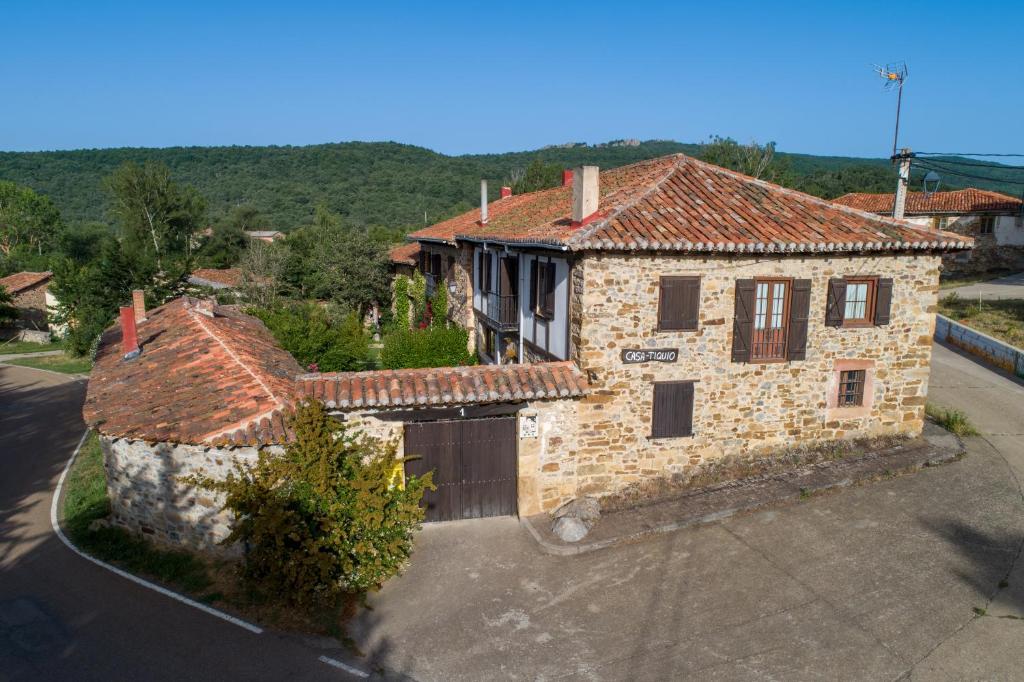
(899, 102)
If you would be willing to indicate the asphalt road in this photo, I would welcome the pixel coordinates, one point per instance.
(64, 618)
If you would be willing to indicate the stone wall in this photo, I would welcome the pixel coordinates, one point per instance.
(148, 497)
(1001, 249)
(31, 305)
(740, 409)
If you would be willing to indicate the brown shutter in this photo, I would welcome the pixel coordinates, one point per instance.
(883, 301)
(678, 303)
(836, 305)
(672, 413)
(549, 290)
(799, 311)
(480, 272)
(743, 320)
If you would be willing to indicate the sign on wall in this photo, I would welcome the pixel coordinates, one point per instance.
(632, 356)
(528, 426)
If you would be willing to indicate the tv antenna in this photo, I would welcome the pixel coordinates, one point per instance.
(894, 75)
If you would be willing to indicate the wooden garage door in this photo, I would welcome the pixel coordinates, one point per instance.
(474, 465)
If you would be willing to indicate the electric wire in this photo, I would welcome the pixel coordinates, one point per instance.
(948, 171)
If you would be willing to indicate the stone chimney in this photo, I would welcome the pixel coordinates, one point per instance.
(584, 194)
(483, 202)
(129, 334)
(506, 192)
(204, 306)
(566, 177)
(139, 304)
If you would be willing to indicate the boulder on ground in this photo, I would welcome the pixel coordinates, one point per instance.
(573, 520)
(569, 529)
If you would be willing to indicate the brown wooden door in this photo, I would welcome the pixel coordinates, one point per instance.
(474, 465)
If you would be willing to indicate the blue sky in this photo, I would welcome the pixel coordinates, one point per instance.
(489, 77)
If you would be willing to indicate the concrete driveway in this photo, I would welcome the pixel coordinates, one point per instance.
(1011, 286)
(877, 582)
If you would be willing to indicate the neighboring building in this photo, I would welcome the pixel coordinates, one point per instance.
(653, 320)
(265, 235)
(35, 304)
(995, 222)
(404, 259)
(225, 278)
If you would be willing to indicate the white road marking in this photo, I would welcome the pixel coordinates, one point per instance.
(124, 574)
(341, 666)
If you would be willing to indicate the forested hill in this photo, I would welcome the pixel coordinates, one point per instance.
(384, 184)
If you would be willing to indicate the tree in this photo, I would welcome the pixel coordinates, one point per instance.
(8, 313)
(328, 517)
(30, 225)
(262, 265)
(224, 247)
(538, 175)
(758, 161)
(327, 339)
(159, 219)
(88, 296)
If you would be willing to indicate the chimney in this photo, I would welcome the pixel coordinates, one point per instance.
(566, 177)
(129, 335)
(900, 200)
(584, 194)
(139, 304)
(483, 202)
(506, 192)
(204, 306)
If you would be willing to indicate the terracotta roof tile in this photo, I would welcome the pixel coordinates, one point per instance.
(20, 281)
(218, 279)
(405, 254)
(199, 380)
(678, 203)
(444, 385)
(960, 202)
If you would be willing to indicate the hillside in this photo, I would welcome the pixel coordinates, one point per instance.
(373, 184)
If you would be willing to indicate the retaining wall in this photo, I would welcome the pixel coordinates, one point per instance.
(993, 351)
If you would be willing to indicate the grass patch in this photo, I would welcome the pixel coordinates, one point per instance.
(953, 421)
(1002, 319)
(56, 363)
(953, 280)
(10, 347)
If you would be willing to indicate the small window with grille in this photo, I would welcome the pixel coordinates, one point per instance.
(986, 225)
(851, 388)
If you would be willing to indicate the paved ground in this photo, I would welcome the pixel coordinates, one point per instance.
(1011, 286)
(877, 582)
(61, 617)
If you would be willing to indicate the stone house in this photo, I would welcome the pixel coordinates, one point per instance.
(646, 321)
(265, 235)
(34, 302)
(216, 278)
(994, 221)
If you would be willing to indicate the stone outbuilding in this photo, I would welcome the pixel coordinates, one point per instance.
(34, 303)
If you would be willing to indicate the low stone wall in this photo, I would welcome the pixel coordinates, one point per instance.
(992, 351)
(147, 495)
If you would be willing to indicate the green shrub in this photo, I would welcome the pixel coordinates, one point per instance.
(325, 518)
(428, 347)
(317, 337)
(439, 306)
(954, 421)
(401, 301)
(418, 294)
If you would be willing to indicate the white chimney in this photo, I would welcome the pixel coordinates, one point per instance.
(584, 193)
(483, 202)
(900, 200)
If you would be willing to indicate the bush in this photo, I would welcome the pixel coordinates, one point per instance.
(329, 340)
(325, 518)
(429, 347)
(953, 421)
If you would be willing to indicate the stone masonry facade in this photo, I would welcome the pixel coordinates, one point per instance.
(604, 442)
(149, 497)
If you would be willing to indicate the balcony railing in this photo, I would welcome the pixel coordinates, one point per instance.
(431, 283)
(502, 310)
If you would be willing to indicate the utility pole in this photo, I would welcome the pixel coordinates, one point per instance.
(899, 206)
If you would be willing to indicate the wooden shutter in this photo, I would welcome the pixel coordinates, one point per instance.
(836, 306)
(678, 303)
(549, 290)
(799, 312)
(480, 272)
(883, 301)
(672, 414)
(743, 320)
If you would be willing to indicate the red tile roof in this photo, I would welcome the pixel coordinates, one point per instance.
(20, 281)
(678, 203)
(199, 379)
(223, 278)
(960, 202)
(444, 386)
(405, 254)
